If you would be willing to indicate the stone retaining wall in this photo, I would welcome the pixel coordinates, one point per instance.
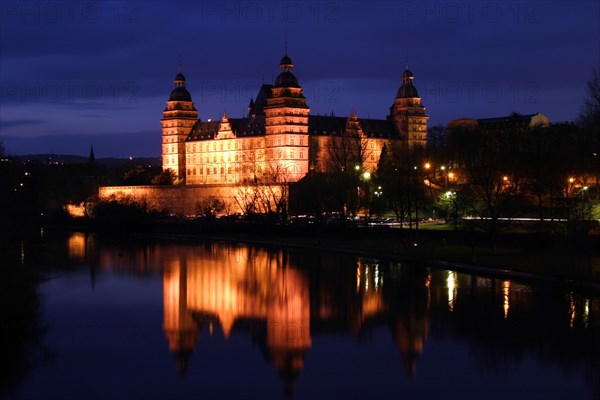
(187, 200)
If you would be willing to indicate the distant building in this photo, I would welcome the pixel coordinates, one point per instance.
(498, 124)
(279, 138)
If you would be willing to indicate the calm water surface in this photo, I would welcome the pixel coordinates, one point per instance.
(172, 320)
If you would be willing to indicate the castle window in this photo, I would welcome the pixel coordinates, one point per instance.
(222, 170)
(301, 154)
(292, 154)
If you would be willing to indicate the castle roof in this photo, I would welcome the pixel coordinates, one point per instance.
(318, 125)
(325, 125)
(378, 127)
(241, 127)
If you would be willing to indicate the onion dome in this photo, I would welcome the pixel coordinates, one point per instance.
(286, 63)
(286, 79)
(407, 89)
(179, 77)
(180, 93)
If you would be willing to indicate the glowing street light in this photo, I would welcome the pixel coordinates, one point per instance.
(367, 175)
(427, 165)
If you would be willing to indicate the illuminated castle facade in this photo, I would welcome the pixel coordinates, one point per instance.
(278, 139)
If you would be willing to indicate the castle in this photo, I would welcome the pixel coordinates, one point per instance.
(278, 139)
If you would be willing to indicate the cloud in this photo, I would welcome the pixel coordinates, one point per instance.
(20, 122)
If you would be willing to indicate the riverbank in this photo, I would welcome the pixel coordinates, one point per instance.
(525, 257)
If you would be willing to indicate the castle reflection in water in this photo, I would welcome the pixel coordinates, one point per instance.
(282, 298)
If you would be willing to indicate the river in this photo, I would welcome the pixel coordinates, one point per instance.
(172, 319)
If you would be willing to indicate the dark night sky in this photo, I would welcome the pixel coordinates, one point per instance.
(76, 74)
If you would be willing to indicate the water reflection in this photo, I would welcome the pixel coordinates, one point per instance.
(297, 295)
(288, 301)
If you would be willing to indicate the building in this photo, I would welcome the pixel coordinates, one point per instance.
(513, 122)
(278, 140)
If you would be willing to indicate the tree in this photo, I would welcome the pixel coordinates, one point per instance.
(166, 177)
(400, 175)
(589, 118)
(210, 207)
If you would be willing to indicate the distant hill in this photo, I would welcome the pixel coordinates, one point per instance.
(73, 159)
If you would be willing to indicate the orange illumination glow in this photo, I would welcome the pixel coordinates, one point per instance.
(451, 283)
(76, 246)
(506, 294)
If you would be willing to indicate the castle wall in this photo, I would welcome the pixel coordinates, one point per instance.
(189, 200)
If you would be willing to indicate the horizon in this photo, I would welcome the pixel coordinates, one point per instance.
(105, 78)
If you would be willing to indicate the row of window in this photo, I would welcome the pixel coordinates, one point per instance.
(246, 169)
(287, 140)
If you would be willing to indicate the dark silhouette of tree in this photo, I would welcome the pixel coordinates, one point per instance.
(165, 178)
(589, 120)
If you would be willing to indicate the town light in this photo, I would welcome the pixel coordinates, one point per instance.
(367, 175)
(427, 165)
(450, 175)
(357, 167)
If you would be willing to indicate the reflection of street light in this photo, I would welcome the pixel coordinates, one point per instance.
(505, 178)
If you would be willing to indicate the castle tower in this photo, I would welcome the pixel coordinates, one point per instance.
(408, 113)
(286, 126)
(178, 119)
